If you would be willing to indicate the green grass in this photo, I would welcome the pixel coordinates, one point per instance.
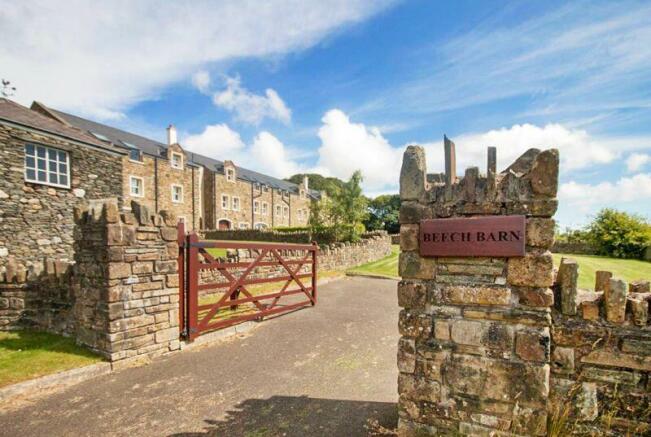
(27, 354)
(625, 269)
(387, 266)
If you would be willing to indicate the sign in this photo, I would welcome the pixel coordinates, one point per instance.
(501, 236)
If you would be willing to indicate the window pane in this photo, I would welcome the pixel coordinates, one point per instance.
(31, 174)
(30, 162)
(29, 149)
(62, 156)
(52, 154)
(63, 179)
(52, 166)
(40, 151)
(54, 178)
(42, 176)
(41, 164)
(63, 168)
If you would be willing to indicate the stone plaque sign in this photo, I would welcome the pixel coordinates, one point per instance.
(502, 236)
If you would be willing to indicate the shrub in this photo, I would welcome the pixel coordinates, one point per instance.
(618, 234)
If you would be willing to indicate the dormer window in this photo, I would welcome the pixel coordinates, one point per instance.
(177, 160)
(135, 155)
(230, 175)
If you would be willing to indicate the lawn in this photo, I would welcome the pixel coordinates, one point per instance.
(625, 269)
(26, 354)
(387, 266)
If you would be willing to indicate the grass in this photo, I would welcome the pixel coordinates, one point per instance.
(28, 354)
(625, 269)
(387, 266)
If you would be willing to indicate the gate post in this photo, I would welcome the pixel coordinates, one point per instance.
(315, 258)
(193, 285)
(181, 237)
(474, 352)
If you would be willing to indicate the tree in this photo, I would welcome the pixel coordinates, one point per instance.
(616, 233)
(349, 208)
(384, 213)
(329, 185)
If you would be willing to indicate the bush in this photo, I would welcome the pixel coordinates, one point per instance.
(618, 234)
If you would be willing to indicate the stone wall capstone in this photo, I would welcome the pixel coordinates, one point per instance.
(503, 346)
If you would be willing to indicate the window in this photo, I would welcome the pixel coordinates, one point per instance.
(300, 213)
(278, 210)
(136, 186)
(230, 175)
(177, 194)
(265, 208)
(177, 160)
(135, 155)
(236, 203)
(244, 226)
(45, 165)
(256, 207)
(260, 226)
(285, 211)
(225, 202)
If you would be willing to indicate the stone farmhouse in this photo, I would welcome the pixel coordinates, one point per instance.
(53, 161)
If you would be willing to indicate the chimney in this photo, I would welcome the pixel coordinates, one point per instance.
(171, 135)
(306, 182)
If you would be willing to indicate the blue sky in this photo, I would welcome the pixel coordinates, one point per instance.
(292, 86)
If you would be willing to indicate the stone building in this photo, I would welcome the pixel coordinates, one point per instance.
(54, 161)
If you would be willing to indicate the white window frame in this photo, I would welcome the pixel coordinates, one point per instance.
(233, 202)
(180, 165)
(265, 208)
(256, 207)
(243, 225)
(285, 211)
(181, 192)
(140, 158)
(261, 225)
(226, 202)
(142, 184)
(57, 163)
(230, 174)
(279, 211)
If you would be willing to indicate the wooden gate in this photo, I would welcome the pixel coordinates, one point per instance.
(223, 283)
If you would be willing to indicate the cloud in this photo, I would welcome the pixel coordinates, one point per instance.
(347, 146)
(217, 141)
(636, 161)
(201, 80)
(267, 154)
(251, 108)
(636, 188)
(100, 58)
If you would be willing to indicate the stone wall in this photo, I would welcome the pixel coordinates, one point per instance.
(492, 346)
(575, 248)
(342, 256)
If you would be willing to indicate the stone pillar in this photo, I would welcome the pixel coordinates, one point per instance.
(474, 353)
(126, 292)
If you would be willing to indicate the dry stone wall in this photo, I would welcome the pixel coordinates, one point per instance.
(488, 344)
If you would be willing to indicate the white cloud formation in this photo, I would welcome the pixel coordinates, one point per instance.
(270, 156)
(201, 80)
(636, 161)
(347, 146)
(217, 141)
(636, 188)
(98, 58)
(251, 108)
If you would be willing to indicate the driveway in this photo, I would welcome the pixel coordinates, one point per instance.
(325, 370)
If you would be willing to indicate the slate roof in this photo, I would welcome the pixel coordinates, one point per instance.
(155, 148)
(18, 114)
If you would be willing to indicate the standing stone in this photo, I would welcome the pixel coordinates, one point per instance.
(639, 309)
(639, 286)
(544, 173)
(602, 280)
(413, 174)
(567, 279)
(615, 300)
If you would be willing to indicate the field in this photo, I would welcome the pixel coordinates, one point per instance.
(25, 355)
(626, 269)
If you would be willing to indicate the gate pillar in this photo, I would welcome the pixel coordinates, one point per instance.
(474, 352)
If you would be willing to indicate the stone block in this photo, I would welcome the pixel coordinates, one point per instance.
(533, 345)
(119, 270)
(418, 389)
(602, 280)
(467, 332)
(639, 309)
(590, 310)
(528, 421)
(167, 335)
(413, 266)
(544, 173)
(412, 294)
(532, 270)
(613, 358)
(169, 217)
(110, 212)
(540, 232)
(620, 377)
(563, 360)
(413, 212)
(414, 324)
(166, 266)
(567, 283)
(169, 233)
(409, 234)
(615, 301)
(472, 295)
(639, 286)
(442, 330)
(637, 346)
(141, 213)
(144, 267)
(586, 402)
(413, 174)
(535, 297)
(406, 355)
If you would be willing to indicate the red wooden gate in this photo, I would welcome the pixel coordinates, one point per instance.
(211, 283)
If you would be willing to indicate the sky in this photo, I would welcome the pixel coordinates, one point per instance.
(321, 86)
